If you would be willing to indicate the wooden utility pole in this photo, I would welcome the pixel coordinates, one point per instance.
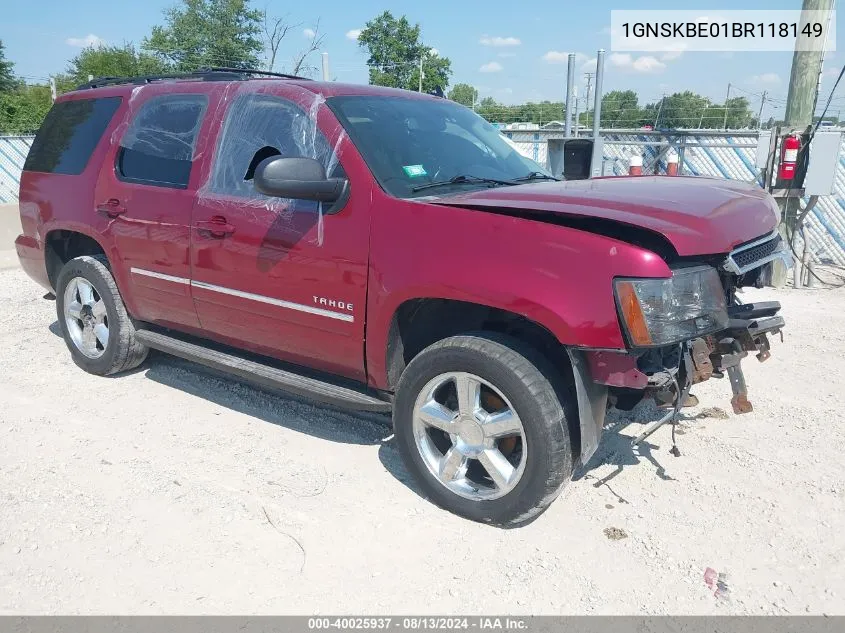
(800, 103)
(803, 80)
(589, 77)
(760, 113)
(727, 98)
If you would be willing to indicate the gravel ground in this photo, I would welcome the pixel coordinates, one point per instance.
(169, 490)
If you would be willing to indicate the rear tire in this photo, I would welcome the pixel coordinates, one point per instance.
(94, 322)
(457, 457)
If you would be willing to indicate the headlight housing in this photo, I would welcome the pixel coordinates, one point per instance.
(658, 312)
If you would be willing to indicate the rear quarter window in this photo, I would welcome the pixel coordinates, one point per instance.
(69, 135)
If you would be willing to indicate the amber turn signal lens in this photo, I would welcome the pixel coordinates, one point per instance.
(632, 313)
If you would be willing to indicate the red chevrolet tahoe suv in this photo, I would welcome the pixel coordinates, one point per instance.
(383, 250)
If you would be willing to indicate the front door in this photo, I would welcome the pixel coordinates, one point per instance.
(281, 277)
(144, 203)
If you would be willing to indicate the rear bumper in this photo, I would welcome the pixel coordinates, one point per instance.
(31, 257)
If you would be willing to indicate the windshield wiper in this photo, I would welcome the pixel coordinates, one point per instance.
(462, 179)
(536, 175)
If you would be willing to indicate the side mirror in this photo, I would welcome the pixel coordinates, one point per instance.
(298, 178)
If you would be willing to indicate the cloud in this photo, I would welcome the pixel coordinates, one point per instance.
(648, 64)
(556, 57)
(309, 33)
(642, 64)
(769, 79)
(562, 57)
(353, 34)
(487, 40)
(85, 42)
(491, 67)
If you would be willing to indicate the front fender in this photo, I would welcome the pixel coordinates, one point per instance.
(556, 276)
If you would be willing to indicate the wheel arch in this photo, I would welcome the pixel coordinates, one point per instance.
(63, 244)
(420, 322)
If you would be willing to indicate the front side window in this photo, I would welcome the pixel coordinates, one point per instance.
(69, 135)
(158, 148)
(410, 142)
(257, 127)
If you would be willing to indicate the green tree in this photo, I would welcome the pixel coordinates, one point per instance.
(739, 113)
(23, 109)
(395, 51)
(464, 94)
(620, 109)
(201, 33)
(113, 61)
(8, 81)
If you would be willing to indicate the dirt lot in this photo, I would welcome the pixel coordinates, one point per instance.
(172, 491)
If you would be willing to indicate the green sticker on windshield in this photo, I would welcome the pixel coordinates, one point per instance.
(414, 171)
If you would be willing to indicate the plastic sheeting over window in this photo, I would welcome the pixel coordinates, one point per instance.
(259, 125)
(158, 148)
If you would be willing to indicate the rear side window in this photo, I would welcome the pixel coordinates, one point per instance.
(158, 148)
(70, 134)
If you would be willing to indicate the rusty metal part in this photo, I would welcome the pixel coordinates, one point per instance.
(702, 366)
(739, 402)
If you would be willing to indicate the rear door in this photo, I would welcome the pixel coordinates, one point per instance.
(286, 278)
(144, 197)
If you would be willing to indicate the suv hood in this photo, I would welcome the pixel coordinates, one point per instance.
(697, 215)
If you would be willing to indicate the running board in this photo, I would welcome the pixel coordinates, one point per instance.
(265, 375)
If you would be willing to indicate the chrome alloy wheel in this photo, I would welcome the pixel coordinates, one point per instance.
(469, 436)
(86, 317)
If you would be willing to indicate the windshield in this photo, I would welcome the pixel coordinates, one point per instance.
(408, 143)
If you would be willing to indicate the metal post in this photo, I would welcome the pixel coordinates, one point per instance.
(570, 82)
(727, 97)
(53, 88)
(575, 96)
(598, 95)
(681, 151)
(421, 71)
(325, 67)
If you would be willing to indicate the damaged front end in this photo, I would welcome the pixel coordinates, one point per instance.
(680, 332)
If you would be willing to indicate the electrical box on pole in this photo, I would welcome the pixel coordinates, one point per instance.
(820, 179)
(761, 158)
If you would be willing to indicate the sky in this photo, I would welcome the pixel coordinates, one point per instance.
(511, 51)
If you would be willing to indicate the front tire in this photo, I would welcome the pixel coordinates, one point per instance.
(479, 425)
(94, 322)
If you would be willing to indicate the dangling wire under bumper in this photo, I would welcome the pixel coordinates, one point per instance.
(685, 371)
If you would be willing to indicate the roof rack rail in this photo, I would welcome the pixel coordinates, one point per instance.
(214, 73)
(255, 71)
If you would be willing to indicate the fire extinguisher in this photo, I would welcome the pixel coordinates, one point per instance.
(789, 157)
